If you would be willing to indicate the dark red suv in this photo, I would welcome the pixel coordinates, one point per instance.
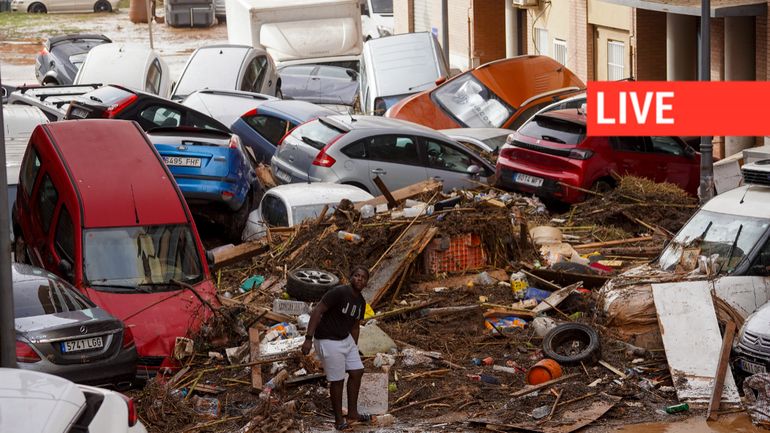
(551, 152)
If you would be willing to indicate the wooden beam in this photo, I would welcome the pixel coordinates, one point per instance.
(266, 313)
(411, 191)
(385, 192)
(611, 243)
(719, 378)
(532, 388)
(256, 371)
(238, 252)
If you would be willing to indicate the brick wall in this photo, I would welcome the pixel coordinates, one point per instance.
(577, 56)
(488, 30)
(650, 45)
(761, 47)
(717, 49)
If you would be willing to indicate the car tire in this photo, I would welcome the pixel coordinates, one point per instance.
(309, 285)
(602, 186)
(50, 82)
(102, 6)
(239, 218)
(583, 339)
(37, 8)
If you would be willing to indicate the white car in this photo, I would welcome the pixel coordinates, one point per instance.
(44, 6)
(130, 65)
(226, 106)
(376, 18)
(34, 402)
(290, 204)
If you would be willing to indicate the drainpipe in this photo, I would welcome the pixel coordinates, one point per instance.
(706, 188)
(445, 29)
(7, 329)
(510, 30)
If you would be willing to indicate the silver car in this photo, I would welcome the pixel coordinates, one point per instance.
(484, 139)
(354, 150)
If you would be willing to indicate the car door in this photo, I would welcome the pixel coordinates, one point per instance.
(43, 202)
(254, 75)
(676, 163)
(396, 159)
(631, 156)
(453, 166)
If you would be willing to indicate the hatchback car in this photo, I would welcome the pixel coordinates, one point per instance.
(59, 331)
(58, 62)
(97, 206)
(126, 64)
(228, 67)
(262, 128)
(551, 154)
(355, 149)
(321, 84)
(287, 205)
(150, 111)
(214, 172)
(45, 6)
(34, 402)
(500, 94)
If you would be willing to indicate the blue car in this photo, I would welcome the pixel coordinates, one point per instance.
(214, 172)
(263, 127)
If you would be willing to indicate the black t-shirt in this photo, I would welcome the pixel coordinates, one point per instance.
(344, 311)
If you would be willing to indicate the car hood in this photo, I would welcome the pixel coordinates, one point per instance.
(35, 402)
(156, 319)
(759, 321)
(421, 109)
(51, 322)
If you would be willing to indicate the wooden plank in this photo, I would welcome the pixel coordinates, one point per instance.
(264, 312)
(692, 340)
(532, 388)
(456, 282)
(611, 368)
(265, 176)
(719, 380)
(402, 194)
(567, 278)
(256, 371)
(385, 192)
(393, 263)
(238, 252)
(612, 243)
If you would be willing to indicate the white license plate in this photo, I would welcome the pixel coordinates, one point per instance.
(84, 344)
(752, 367)
(182, 161)
(280, 174)
(79, 113)
(527, 179)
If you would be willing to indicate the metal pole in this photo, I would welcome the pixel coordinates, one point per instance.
(7, 329)
(706, 189)
(510, 30)
(445, 29)
(149, 22)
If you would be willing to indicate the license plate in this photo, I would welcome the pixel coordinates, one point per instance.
(84, 344)
(527, 179)
(182, 161)
(79, 113)
(280, 174)
(752, 367)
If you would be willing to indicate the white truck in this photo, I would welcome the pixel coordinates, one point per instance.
(299, 31)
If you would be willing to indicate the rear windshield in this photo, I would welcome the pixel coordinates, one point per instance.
(107, 95)
(554, 130)
(40, 296)
(316, 134)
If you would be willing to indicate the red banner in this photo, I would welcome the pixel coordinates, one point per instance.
(716, 108)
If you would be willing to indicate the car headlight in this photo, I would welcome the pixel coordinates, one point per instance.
(741, 331)
(384, 31)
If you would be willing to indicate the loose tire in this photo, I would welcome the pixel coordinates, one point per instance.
(571, 344)
(37, 8)
(102, 6)
(309, 284)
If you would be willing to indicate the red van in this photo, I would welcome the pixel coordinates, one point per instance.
(97, 206)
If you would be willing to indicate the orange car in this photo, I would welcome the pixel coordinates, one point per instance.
(499, 94)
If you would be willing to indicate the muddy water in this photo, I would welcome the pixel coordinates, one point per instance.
(736, 423)
(20, 43)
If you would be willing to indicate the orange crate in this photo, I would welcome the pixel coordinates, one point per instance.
(464, 253)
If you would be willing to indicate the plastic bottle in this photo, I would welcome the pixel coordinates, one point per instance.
(367, 211)
(383, 420)
(350, 237)
(274, 383)
(519, 284)
(684, 407)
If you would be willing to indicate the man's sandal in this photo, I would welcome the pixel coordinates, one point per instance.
(343, 426)
(364, 418)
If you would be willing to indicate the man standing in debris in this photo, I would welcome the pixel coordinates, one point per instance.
(334, 325)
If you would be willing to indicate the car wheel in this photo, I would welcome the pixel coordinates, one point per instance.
(571, 344)
(602, 186)
(37, 8)
(50, 82)
(309, 285)
(102, 6)
(238, 219)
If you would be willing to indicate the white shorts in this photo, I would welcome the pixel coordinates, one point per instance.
(338, 357)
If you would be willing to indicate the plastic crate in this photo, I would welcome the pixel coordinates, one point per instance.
(463, 253)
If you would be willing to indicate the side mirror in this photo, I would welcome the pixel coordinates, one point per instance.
(473, 170)
(352, 74)
(440, 81)
(65, 268)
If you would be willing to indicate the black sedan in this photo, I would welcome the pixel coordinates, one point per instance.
(58, 331)
(59, 61)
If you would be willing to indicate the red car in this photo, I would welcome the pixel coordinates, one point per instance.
(551, 152)
(97, 206)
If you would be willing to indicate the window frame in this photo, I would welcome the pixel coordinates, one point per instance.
(558, 45)
(421, 160)
(612, 63)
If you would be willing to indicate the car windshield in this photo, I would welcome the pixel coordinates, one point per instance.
(724, 239)
(129, 257)
(40, 295)
(382, 6)
(302, 213)
(554, 130)
(471, 103)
